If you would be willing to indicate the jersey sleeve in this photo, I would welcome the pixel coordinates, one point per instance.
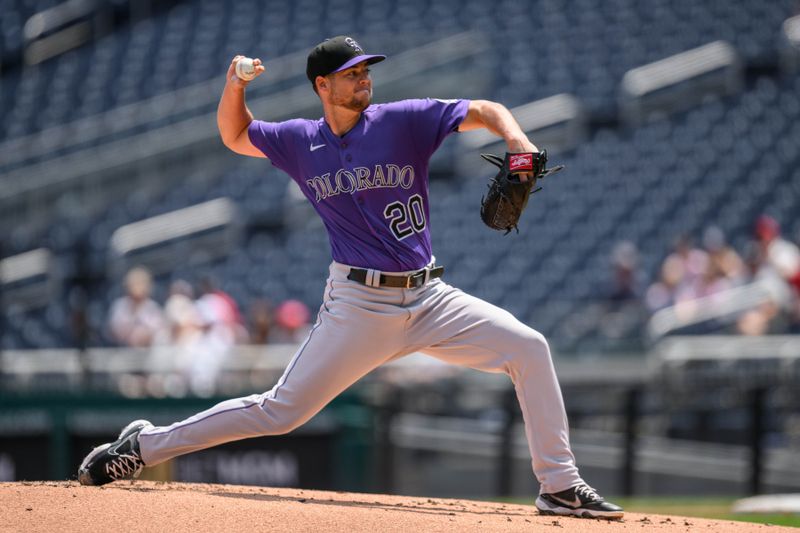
(275, 140)
(432, 120)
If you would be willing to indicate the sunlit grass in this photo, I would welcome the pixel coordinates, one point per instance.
(715, 508)
(712, 508)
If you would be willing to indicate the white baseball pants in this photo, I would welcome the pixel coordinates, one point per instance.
(360, 328)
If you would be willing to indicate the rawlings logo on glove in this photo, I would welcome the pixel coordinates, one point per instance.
(508, 196)
(520, 162)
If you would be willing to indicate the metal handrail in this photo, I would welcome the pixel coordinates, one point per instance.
(715, 306)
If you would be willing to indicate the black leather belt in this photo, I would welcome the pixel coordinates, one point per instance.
(412, 281)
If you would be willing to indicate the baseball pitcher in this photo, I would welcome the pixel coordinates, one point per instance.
(364, 168)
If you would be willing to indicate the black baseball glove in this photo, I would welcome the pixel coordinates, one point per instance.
(508, 196)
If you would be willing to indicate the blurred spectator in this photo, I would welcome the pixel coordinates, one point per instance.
(185, 323)
(772, 256)
(662, 293)
(220, 310)
(182, 315)
(724, 268)
(173, 352)
(621, 313)
(136, 318)
(693, 263)
(222, 328)
(723, 260)
(626, 280)
(763, 320)
(681, 276)
(291, 321)
(688, 274)
(260, 321)
(712, 281)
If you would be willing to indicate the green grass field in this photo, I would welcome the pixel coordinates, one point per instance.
(714, 508)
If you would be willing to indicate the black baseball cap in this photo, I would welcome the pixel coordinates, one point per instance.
(336, 54)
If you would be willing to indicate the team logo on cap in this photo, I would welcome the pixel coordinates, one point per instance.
(519, 162)
(354, 45)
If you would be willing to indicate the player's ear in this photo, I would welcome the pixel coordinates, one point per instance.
(322, 82)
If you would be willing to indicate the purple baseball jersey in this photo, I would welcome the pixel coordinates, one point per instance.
(370, 186)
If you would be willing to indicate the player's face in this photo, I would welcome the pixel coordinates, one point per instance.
(351, 88)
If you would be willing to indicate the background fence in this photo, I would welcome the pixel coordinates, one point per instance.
(695, 424)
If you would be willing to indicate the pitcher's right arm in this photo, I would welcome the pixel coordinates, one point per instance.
(233, 117)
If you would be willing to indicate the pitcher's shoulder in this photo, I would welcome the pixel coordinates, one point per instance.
(390, 108)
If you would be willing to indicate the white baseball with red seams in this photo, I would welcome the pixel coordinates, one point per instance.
(245, 69)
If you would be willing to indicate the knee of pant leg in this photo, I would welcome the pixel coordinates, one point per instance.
(534, 350)
(282, 418)
(286, 426)
(282, 422)
(528, 340)
(538, 343)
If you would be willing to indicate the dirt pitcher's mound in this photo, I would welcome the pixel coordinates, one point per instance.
(195, 508)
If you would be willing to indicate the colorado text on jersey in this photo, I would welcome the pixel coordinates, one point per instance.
(361, 178)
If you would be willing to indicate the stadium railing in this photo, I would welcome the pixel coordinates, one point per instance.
(723, 306)
(679, 81)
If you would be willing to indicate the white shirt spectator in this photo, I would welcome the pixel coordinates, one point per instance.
(135, 318)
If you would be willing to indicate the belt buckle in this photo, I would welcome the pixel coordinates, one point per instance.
(419, 278)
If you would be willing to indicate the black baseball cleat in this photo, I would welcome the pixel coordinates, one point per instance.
(115, 460)
(580, 500)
